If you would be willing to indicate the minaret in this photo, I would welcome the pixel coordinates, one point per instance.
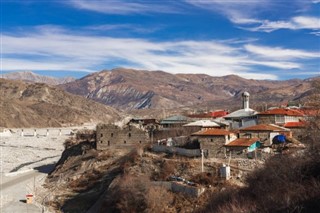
(245, 100)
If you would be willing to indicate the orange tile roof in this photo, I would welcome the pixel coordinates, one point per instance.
(212, 132)
(243, 142)
(294, 124)
(264, 127)
(282, 111)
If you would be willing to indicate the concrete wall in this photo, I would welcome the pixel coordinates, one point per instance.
(177, 151)
(109, 135)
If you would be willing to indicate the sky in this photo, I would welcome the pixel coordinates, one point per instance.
(255, 39)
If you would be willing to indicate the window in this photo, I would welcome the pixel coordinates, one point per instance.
(108, 143)
(101, 135)
(125, 142)
(211, 139)
(139, 141)
(111, 134)
(129, 135)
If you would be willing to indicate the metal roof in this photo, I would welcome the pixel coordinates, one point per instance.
(203, 123)
(241, 113)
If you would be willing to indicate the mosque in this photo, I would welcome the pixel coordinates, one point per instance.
(243, 117)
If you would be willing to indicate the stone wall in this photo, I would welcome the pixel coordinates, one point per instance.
(213, 147)
(177, 150)
(109, 135)
(266, 119)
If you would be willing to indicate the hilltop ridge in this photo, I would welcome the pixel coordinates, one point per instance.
(129, 89)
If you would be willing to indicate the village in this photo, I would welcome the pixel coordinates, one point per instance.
(244, 133)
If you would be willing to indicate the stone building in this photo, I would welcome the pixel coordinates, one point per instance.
(242, 146)
(212, 141)
(280, 116)
(109, 135)
(265, 132)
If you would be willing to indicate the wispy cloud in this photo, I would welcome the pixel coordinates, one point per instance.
(295, 23)
(123, 7)
(125, 27)
(240, 12)
(248, 15)
(277, 53)
(42, 49)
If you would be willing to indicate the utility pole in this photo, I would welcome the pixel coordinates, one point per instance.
(202, 169)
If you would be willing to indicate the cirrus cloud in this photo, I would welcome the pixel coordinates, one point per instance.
(42, 49)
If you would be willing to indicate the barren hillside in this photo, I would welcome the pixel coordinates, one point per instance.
(129, 89)
(39, 105)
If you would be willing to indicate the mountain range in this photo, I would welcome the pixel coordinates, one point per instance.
(32, 77)
(109, 94)
(128, 89)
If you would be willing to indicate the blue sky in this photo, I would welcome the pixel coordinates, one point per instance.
(258, 39)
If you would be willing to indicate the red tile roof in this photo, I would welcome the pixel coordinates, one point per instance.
(294, 124)
(282, 111)
(243, 142)
(212, 132)
(264, 127)
(214, 114)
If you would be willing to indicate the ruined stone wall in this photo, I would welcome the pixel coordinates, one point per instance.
(109, 135)
(213, 147)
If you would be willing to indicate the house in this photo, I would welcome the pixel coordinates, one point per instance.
(243, 117)
(174, 121)
(212, 141)
(265, 132)
(280, 116)
(242, 146)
